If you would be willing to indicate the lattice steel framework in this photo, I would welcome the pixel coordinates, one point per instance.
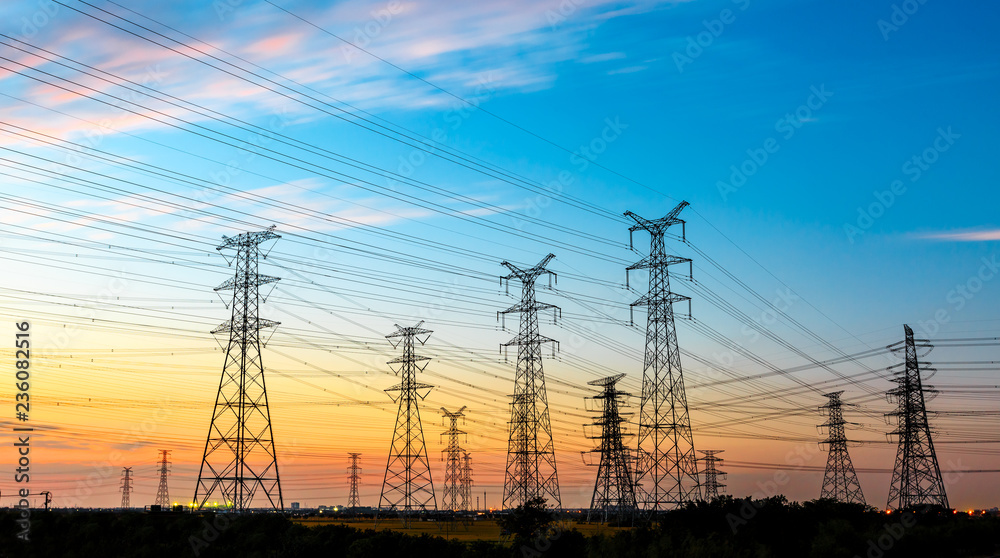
(407, 486)
(354, 478)
(240, 462)
(126, 487)
(666, 467)
(162, 494)
(614, 491)
(712, 487)
(531, 457)
(840, 482)
(916, 476)
(465, 482)
(453, 497)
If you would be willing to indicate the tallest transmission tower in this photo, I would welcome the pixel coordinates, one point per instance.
(531, 457)
(666, 468)
(916, 477)
(239, 462)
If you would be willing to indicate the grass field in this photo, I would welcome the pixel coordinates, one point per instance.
(485, 530)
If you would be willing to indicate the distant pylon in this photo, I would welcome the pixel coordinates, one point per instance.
(666, 467)
(916, 477)
(126, 487)
(614, 491)
(353, 501)
(407, 485)
(240, 461)
(531, 457)
(453, 462)
(465, 482)
(840, 482)
(162, 494)
(712, 486)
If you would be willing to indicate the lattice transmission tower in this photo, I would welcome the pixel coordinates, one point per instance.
(666, 466)
(354, 472)
(407, 486)
(916, 476)
(712, 487)
(453, 496)
(126, 487)
(239, 463)
(531, 457)
(465, 482)
(840, 482)
(614, 491)
(162, 494)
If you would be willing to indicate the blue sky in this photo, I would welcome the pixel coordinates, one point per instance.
(839, 104)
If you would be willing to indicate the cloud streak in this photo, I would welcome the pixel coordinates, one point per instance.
(983, 235)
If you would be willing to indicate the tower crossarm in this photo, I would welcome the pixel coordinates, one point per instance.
(251, 324)
(248, 239)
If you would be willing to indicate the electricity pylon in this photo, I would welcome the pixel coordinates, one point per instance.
(531, 457)
(840, 482)
(407, 485)
(452, 457)
(916, 476)
(353, 501)
(666, 467)
(614, 491)
(713, 474)
(126, 487)
(239, 461)
(465, 482)
(162, 494)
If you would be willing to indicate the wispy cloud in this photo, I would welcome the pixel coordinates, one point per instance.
(982, 235)
(514, 41)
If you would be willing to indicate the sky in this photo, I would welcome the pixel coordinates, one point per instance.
(836, 159)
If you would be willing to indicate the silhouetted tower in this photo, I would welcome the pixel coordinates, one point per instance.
(126, 487)
(465, 482)
(407, 485)
(666, 468)
(240, 462)
(916, 477)
(840, 482)
(162, 494)
(353, 501)
(712, 486)
(614, 491)
(531, 457)
(453, 462)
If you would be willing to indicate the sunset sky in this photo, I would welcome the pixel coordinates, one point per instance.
(839, 159)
